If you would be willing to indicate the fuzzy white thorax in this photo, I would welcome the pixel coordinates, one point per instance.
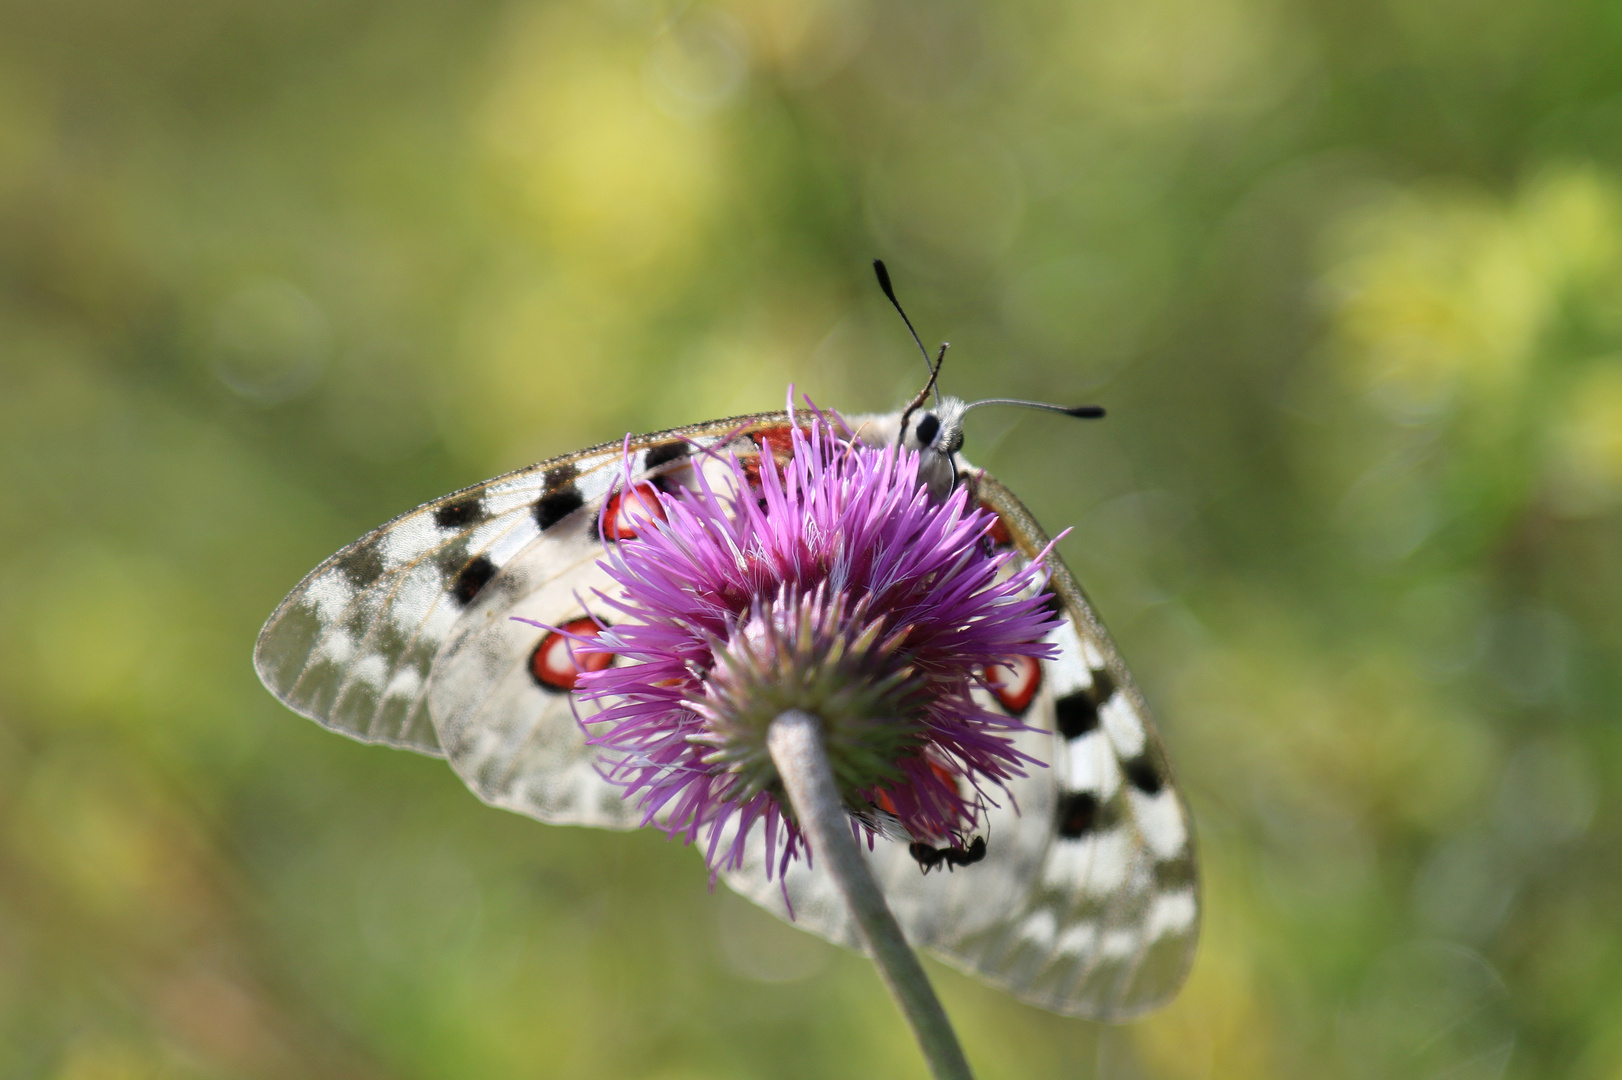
(935, 433)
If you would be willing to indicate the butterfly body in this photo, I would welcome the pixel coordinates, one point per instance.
(1085, 902)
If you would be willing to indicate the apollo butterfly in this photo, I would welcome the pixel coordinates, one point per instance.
(1080, 895)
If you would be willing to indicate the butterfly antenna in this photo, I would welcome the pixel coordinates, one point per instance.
(889, 291)
(934, 373)
(1080, 412)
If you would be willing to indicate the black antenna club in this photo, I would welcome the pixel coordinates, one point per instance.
(889, 291)
(1080, 412)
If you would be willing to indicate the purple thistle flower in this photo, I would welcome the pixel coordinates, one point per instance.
(836, 586)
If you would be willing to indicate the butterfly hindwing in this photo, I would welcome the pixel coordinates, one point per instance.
(1085, 901)
(513, 738)
(1110, 925)
(935, 908)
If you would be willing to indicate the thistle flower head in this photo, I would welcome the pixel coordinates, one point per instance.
(831, 583)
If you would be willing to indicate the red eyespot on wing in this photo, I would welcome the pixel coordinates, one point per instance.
(558, 660)
(629, 511)
(776, 441)
(998, 533)
(1016, 682)
(946, 776)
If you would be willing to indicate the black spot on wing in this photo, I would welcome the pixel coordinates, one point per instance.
(1103, 686)
(389, 638)
(459, 514)
(358, 620)
(1143, 774)
(1077, 712)
(473, 577)
(1174, 874)
(1053, 602)
(560, 475)
(362, 566)
(665, 453)
(1079, 813)
(554, 507)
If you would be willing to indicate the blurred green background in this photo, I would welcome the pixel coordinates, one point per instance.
(1347, 275)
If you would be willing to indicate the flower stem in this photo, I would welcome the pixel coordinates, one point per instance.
(795, 743)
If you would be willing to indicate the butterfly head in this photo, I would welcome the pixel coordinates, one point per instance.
(936, 432)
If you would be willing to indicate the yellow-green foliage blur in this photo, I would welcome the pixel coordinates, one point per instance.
(1348, 277)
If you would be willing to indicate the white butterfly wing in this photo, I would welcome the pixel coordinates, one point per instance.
(1087, 900)
(514, 738)
(353, 645)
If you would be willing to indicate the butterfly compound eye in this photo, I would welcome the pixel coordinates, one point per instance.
(928, 427)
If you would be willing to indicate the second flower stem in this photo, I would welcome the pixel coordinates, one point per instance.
(795, 742)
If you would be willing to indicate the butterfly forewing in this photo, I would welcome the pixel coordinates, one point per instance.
(513, 736)
(353, 646)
